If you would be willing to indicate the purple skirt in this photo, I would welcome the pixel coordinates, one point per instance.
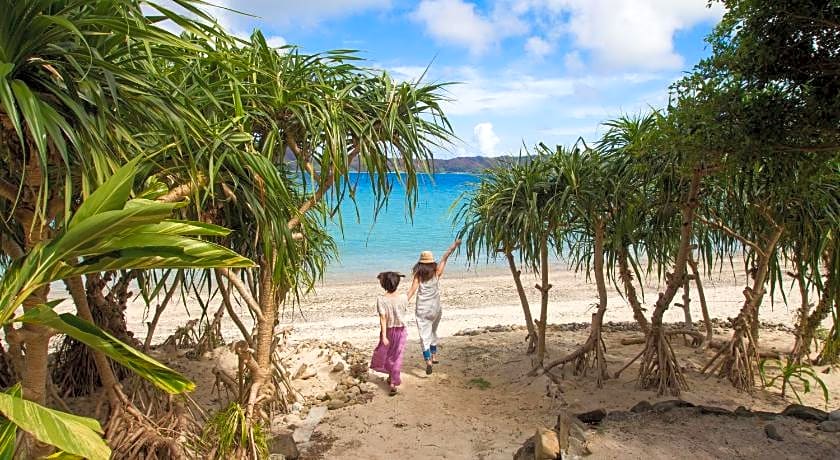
(389, 359)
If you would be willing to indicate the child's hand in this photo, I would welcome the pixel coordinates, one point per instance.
(385, 341)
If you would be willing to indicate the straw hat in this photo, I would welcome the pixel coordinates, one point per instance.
(426, 257)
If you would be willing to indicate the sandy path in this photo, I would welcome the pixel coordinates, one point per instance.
(447, 414)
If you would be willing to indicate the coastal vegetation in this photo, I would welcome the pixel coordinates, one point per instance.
(743, 163)
(208, 164)
(204, 120)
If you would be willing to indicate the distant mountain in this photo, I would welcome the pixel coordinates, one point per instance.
(468, 165)
(473, 165)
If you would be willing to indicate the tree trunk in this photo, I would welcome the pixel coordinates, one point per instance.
(35, 340)
(523, 299)
(738, 361)
(543, 287)
(261, 369)
(658, 368)
(630, 291)
(704, 309)
(686, 306)
(581, 357)
(35, 337)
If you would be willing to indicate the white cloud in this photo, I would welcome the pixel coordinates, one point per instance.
(486, 139)
(538, 47)
(275, 41)
(457, 22)
(510, 92)
(622, 34)
(408, 73)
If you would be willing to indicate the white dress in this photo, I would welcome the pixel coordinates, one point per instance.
(428, 312)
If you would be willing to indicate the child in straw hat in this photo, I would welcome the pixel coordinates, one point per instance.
(425, 284)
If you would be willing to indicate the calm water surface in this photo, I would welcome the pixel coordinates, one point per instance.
(393, 240)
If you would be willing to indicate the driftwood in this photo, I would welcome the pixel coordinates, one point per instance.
(696, 336)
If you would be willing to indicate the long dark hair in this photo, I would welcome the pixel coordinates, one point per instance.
(426, 271)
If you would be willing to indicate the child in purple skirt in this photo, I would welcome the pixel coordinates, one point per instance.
(391, 307)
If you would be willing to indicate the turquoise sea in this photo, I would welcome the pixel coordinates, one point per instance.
(393, 240)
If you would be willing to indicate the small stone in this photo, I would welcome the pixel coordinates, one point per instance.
(354, 391)
(336, 396)
(618, 416)
(322, 397)
(592, 417)
(546, 444)
(336, 404)
(296, 408)
(805, 413)
(339, 367)
(714, 410)
(641, 406)
(283, 443)
(829, 426)
(368, 387)
(772, 432)
(834, 415)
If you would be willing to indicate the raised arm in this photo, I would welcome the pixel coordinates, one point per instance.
(415, 284)
(442, 264)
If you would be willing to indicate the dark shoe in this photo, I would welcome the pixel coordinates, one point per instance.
(393, 391)
(428, 369)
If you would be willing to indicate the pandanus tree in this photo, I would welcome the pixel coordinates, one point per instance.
(108, 231)
(770, 92)
(331, 117)
(768, 199)
(84, 85)
(676, 172)
(76, 100)
(513, 212)
(588, 189)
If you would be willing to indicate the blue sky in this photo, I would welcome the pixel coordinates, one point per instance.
(529, 70)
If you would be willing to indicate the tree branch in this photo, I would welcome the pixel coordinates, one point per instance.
(722, 227)
(302, 157)
(226, 300)
(178, 193)
(243, 291)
